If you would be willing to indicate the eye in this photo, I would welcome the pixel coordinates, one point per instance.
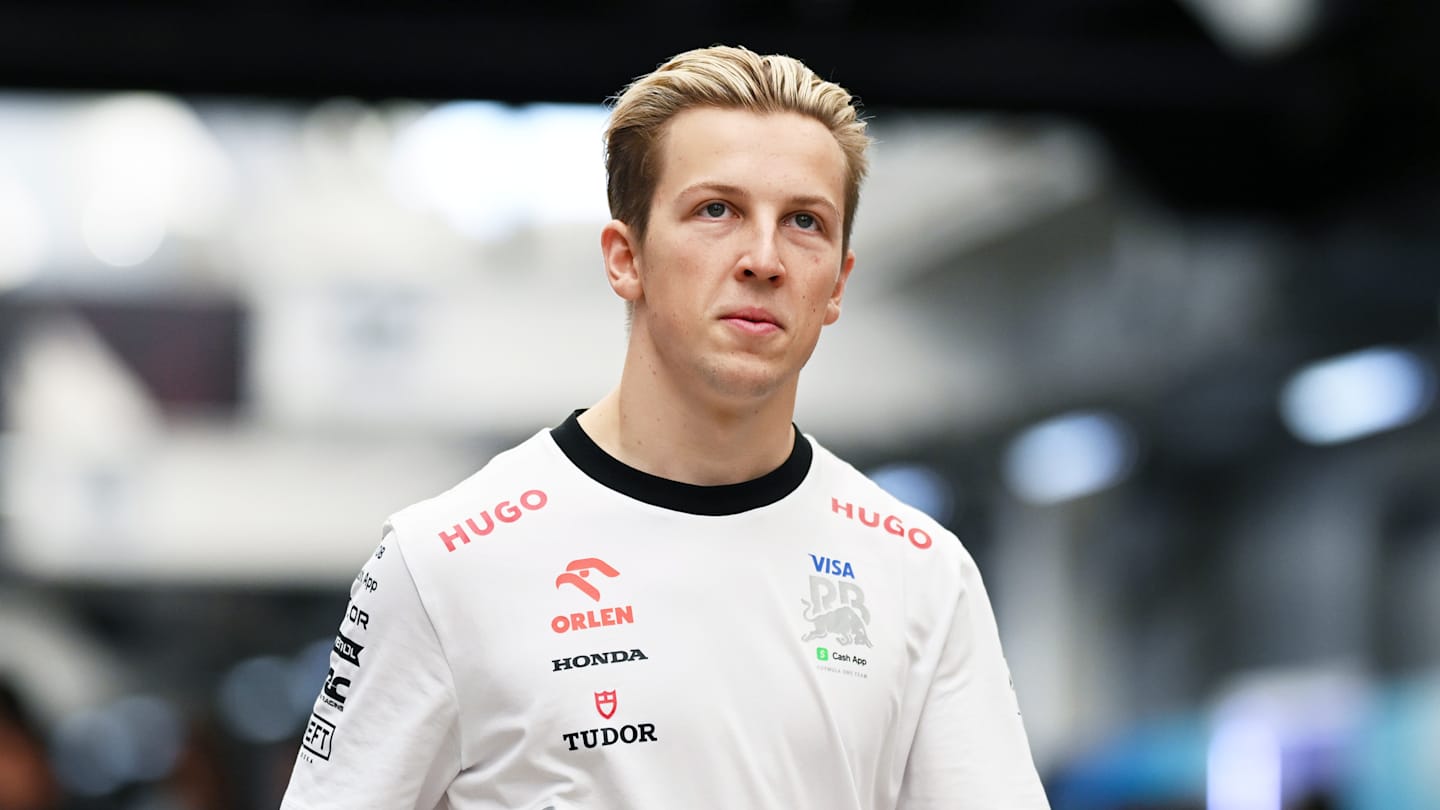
(715, 210)
(806, 222)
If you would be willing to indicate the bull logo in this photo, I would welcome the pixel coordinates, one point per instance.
(577, 570)
(836, 609)
(605, 704)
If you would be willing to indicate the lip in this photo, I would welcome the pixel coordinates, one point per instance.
(758, 317)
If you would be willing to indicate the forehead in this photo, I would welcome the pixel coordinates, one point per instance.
(750, 149)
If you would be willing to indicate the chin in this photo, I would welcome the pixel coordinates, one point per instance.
(746, 381)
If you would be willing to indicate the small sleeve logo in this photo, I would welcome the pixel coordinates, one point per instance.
(319, 736)
(347, 649)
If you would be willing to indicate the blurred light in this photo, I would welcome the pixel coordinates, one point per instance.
(1281, 733)
(25, 243)
(918, 485)
(1158, 763)
(154, 733)
(458, 160)
(1068, 457)
(254, 700)
(146, 166)
(119, 230)
(1393, 766)
(1244, 766)
(487, 168)
(1356, 395)
(83, 746)
(1258, 27)
(566, 175)
(136, 739)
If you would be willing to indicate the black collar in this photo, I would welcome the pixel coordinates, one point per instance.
(725, 499)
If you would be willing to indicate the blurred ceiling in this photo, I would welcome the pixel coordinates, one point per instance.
(1281, 107)
(1175, 205)
(1291, 144)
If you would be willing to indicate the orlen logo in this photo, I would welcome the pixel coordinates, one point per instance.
(577, 570)
(505, 512)
(575, 574)
(917, 536)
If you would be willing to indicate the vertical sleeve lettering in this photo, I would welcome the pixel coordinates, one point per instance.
(384, 731)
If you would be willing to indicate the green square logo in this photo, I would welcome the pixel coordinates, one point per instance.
(822, 653)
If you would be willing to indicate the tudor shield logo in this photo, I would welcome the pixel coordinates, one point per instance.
(605, 704)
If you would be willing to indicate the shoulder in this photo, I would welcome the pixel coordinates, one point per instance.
(936, 569)
(511, 484)
(856, 499)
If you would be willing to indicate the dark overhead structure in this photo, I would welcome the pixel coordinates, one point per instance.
(1351, 110)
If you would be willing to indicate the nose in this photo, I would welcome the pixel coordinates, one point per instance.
(761, 258)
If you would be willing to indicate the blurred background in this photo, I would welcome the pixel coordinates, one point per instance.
(1147, 310)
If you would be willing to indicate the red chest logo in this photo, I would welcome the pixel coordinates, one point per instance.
(483, 524)
(918, 537)
(605, 704)
(577, 575)
(577, 570)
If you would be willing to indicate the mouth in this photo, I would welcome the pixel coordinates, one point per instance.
(752, 319)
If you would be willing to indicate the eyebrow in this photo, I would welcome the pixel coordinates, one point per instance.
(806, 200)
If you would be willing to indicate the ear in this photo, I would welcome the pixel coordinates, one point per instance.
(621, 251)
(832, 307)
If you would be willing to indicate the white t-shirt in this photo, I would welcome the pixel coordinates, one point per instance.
(563, 631)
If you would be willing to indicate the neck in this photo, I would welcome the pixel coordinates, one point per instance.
(684, 437)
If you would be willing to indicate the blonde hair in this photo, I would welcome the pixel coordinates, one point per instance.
(728, 78)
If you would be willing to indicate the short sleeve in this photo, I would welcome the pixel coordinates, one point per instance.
(970, 748)
(384, 732)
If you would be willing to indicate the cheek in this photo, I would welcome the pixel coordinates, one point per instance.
(672, 291)
(822, 269)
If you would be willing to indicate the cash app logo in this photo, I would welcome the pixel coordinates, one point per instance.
(822, 653)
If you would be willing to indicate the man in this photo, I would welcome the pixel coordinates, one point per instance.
(675, 599)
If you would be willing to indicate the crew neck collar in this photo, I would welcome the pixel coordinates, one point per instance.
(723, 499)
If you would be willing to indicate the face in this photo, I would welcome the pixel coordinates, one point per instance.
(742, 264)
